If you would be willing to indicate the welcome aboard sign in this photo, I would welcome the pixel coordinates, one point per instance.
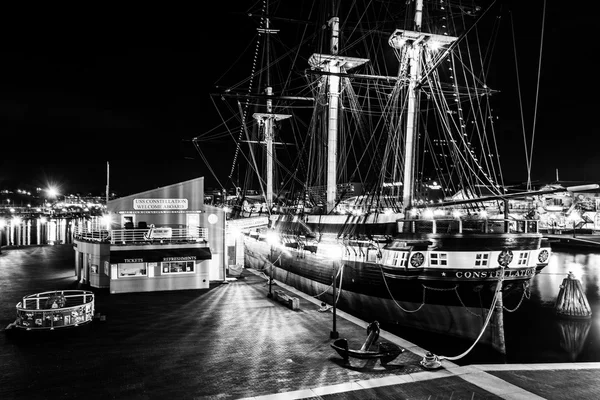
(160, 204)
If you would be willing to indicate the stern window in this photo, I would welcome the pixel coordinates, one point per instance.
(523, 258)
(438, 259)
(481, 259)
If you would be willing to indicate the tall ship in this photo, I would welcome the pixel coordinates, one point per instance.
(366, 170)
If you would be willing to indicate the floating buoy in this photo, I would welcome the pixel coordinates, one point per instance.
(571, 301)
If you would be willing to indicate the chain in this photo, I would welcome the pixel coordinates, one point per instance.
(525, 294)
(394, 300)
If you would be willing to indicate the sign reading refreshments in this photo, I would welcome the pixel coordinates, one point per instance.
(160, 204)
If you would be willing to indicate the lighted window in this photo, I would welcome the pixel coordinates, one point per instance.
(481, 259)
(438, 259)
(131, 269)
(523, 258)
(177, 267)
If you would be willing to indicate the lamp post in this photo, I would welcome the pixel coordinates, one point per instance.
(334, 333)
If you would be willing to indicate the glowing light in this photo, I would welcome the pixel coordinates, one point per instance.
(456, 214)
(272, 238)
(43, 220)
(434, 45)
(574, 216)
(2, 223)
(428, 214)
(212, 219)
(483, 214)
(52, 191)
(106, 220)
(438, 212)
(235, 232)
(414, 212)
(16, 221)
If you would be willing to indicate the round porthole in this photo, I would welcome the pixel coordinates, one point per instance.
(417, 259)
(505, 257)
(543, 256)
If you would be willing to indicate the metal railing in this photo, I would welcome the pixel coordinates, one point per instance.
(56, 309)
(144, 235)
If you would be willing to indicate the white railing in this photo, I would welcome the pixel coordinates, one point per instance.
(96, 235)
(158, 235)
(141, 235)
(57, 309)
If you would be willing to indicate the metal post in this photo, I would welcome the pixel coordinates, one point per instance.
(270, 294)
(334, 333)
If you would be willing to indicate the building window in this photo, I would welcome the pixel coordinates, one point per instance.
(131, 269)
(177, 267)
(481, 259)
(523, 258)
(438, 259)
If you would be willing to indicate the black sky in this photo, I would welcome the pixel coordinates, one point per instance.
(81, 87)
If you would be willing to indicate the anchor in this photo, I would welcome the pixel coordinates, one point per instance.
(386, 351)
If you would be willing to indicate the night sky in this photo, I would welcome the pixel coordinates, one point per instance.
(83, 87)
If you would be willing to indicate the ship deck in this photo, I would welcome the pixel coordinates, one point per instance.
(232, 341)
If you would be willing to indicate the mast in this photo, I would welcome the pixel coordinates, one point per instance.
(266, 119)
(333, 64)
(414, 43)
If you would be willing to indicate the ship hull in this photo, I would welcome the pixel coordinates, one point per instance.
(449, 301)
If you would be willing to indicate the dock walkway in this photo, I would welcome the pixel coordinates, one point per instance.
(231, 341)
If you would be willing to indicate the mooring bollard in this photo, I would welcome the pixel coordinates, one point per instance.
(571, 301)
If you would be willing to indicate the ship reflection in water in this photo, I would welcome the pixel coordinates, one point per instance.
(534, 333)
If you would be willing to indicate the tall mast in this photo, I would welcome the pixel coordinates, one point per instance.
(334, 65)
(267, 119)
(414, 43)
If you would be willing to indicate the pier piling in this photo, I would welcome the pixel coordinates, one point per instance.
(571, 301)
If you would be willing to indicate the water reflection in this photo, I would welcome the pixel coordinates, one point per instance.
(585, 268)
(573, 334)
(538, 334)
(38, 231)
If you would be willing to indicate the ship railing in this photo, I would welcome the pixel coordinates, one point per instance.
(56, 309)
(468, 226)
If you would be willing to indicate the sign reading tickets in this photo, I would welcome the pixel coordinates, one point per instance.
(160, 204)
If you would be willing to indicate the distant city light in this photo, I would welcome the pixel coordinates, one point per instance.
(52, 192)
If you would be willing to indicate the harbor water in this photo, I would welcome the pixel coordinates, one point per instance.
(533, 331)
(18, 231)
